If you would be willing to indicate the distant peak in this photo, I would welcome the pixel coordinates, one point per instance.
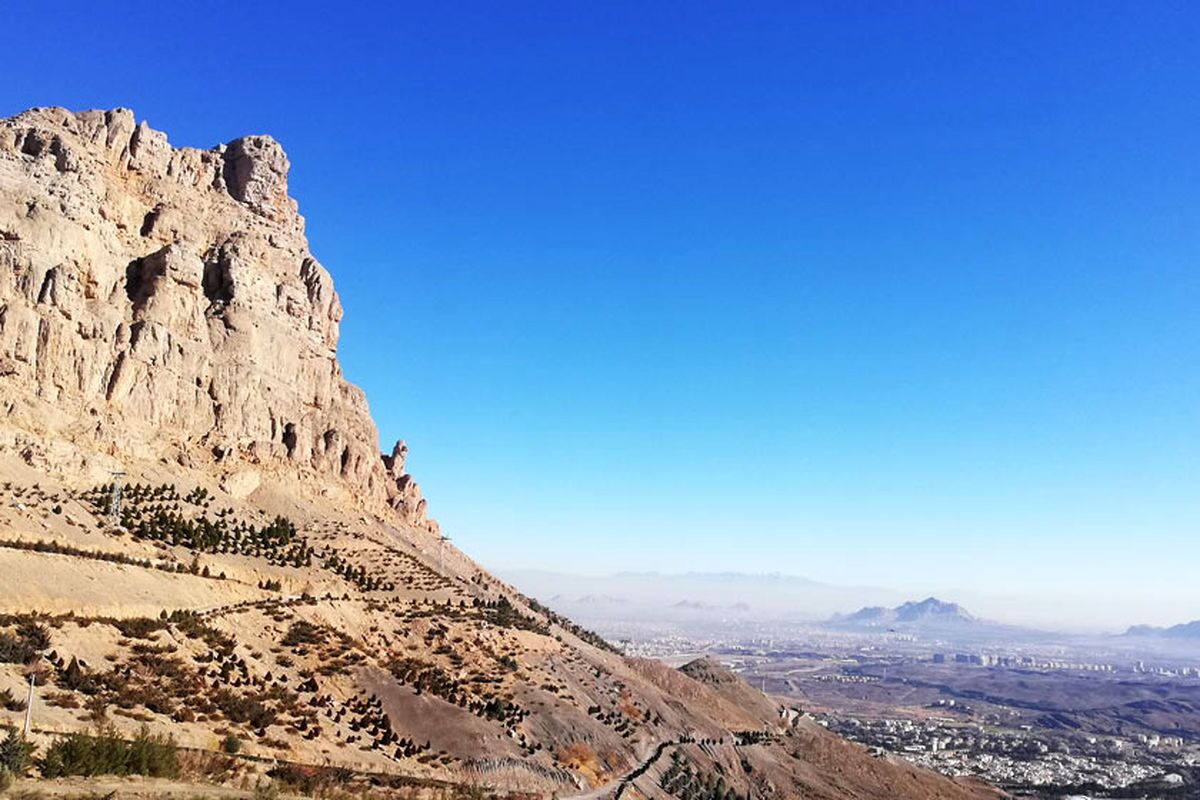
(929, 610)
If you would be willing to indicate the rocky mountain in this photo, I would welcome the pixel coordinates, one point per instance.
(929, 611)
(162, 302)
(1184, 630)
(199, 536)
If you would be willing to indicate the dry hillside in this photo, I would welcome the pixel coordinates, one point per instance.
(270, 583)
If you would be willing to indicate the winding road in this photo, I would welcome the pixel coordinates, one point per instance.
(617, 785)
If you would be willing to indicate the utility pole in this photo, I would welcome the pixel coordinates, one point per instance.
(442, 552)
(29, 705)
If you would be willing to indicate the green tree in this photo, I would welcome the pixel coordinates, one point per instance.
(14, 752)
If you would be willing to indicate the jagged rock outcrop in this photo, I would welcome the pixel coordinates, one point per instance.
(160, 302)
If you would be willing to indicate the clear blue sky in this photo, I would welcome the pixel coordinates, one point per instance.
(892, 293)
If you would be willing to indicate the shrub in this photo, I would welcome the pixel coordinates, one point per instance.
(308, 779)
(302, 632)
(107, 754)
(62, 700)
(139, 627)
(240, 708)
(36, 635)
(10, 703)
(29, 639)
(206, 767)
(231, 744)
(14, 752)
(194, 627)
(502, 613)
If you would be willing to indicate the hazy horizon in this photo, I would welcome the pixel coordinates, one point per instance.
(1045, 611)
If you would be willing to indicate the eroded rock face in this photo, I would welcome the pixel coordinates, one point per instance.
(255, 173)
(160, 302)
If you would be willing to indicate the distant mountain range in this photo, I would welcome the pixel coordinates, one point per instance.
(922, 613)
(1185, 630)
(652, 596)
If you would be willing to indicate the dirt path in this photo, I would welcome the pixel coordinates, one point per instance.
(617, 785)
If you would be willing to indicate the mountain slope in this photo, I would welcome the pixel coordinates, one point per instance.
(257, 572)
(927, 612)
(1184, 630)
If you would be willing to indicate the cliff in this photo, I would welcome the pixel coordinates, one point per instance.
(160, 302)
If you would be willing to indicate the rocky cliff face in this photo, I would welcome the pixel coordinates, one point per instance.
(160, 302)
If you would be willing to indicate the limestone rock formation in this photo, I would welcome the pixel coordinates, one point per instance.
(163, 302)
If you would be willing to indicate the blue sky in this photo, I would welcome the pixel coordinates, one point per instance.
(902, 294)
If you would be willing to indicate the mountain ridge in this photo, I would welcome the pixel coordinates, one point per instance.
(201, 536)
(1182, 630)
(930, 611)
